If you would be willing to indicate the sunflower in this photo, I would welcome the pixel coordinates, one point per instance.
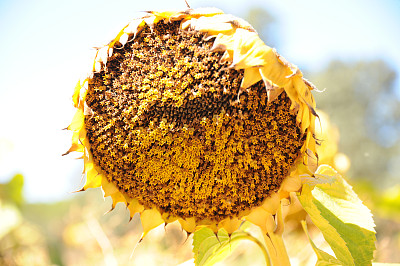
(189, 116)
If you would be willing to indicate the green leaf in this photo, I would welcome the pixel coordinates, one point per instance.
(324, 259)
(345, 223)
(208, 249)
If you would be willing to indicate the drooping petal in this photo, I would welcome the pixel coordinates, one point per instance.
(250, 77)
(230, 224)
(134, 207)
(77, 121)
(262, 219)
(150, 219)
(188, 224)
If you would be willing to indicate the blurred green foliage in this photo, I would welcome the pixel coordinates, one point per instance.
(12, 191)
(360, 99)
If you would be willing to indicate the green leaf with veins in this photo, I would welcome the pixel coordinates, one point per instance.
(324, 259)
(344, 221)
(209, 249)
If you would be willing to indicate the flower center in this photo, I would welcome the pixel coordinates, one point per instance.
(168, 130)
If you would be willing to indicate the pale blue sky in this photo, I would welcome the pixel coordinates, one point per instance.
(46, 47)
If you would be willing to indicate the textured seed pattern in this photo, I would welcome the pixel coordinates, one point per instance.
(168, 129)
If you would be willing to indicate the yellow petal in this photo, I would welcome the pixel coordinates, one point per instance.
(272, 203)
(102, 54)
(123, 39)
(150, 219)
(211, 26)
(75, 96)
(134, 26)
(134, 207)
(109, 189)
(163, 14)
(117, 197)
(93, 178)
(116, 39)
(250, 77)
(168, 218)
(293, 68)
(249, 50)
(291, 183)
(150, 21)
(87, 110)
(74, 147)
(223, 42)
(262, 219)
(78, 121)
(230, 224)
(188, 224)
(273, 70)
(273, 93)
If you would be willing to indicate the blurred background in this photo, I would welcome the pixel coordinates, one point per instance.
(349, 50)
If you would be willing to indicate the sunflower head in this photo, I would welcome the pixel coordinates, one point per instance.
(189, 116)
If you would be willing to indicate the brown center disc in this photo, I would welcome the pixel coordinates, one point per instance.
(167, 127)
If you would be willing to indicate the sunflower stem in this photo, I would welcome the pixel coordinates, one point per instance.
(274, 243)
